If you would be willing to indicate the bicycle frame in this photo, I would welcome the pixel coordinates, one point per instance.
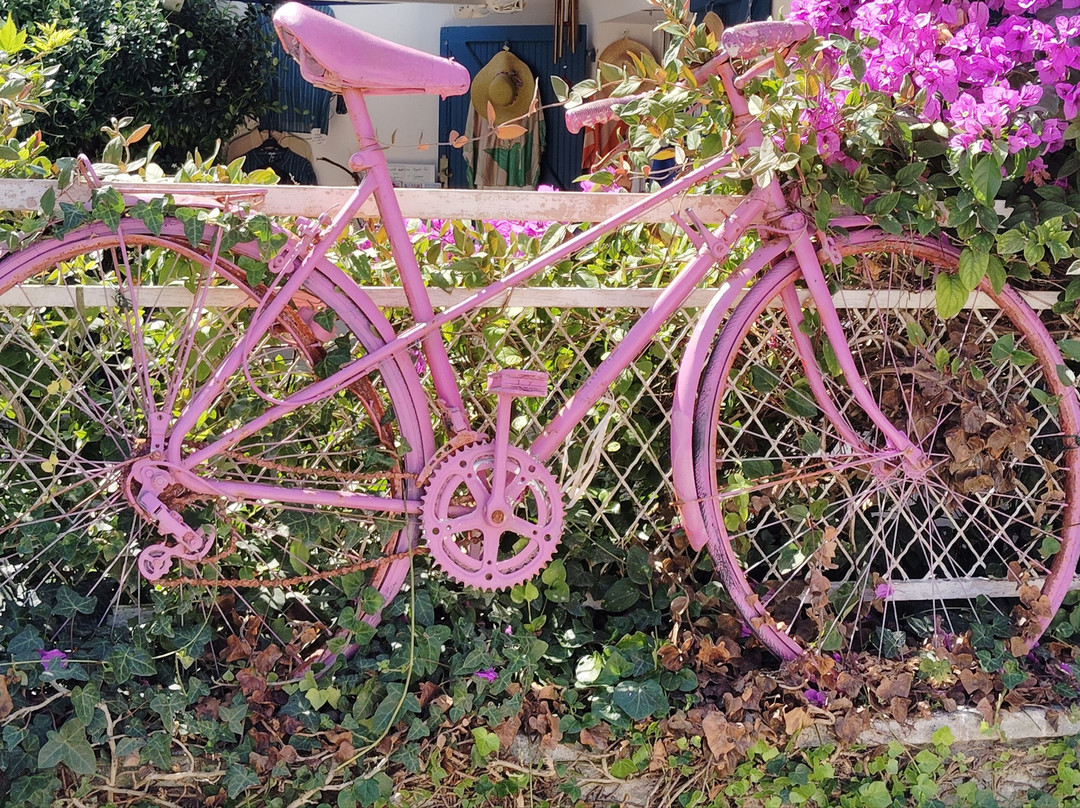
(760, 205)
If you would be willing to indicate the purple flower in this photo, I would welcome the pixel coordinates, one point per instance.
(49, 657)
(883, 591)
(488, 674)
(815, 697)
(508, 630)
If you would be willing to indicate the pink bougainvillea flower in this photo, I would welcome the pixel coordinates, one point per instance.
(488, 674)
(49, 657)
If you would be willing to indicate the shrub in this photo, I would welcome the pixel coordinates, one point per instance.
(193, 74)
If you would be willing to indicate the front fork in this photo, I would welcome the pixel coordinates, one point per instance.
(913, 458)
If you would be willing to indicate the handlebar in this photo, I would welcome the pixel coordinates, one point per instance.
(596, 112)
(740, 41)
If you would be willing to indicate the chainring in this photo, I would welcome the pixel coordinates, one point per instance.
(467, 545)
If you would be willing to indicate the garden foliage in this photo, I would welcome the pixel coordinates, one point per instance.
(196, 75)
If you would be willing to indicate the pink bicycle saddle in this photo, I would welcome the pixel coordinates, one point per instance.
(337, 56)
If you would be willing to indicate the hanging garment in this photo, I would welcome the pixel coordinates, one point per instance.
(504, 99)
(288, 165)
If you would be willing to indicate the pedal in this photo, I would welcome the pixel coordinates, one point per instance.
(518, 383)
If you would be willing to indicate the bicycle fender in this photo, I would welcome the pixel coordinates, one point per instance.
(686, 382)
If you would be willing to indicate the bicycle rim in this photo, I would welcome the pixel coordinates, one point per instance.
(101, 329)
(822, 535)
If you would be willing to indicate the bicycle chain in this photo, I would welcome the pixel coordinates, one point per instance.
(264, 583)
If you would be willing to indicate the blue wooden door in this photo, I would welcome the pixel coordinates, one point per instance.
(732, 12)
(473, 46)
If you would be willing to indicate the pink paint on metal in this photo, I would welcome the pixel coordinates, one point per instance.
(338, 57)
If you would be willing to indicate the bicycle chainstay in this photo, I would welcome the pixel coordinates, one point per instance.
(265, 583)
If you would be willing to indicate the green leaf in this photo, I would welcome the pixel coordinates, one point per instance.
(69, 603)
(561, 88)
(394, 706)
(240, 778)
(874, 795)
(151, 213)
(908, 174)
(1070, 348)
(973, 267)
(486, 742)
(233, 716)
(623, 594)
(995, 271)
(194, 221)
(107, 207)
(986, 179)
(637, 567)
(126, 662)
(74, 215)
(69, 746)
(951, 295)
(84, 700)
(623, 768)
(639, 700)
(158, 751)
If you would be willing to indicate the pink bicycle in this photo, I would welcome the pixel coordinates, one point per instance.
(202, 417)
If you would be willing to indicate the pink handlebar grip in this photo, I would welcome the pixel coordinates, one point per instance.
(596, 112)
(749, 39)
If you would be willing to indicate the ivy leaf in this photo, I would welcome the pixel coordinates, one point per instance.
(240, 778)
(127, 662)
(158, 751)
(151, 213)
(233, 717)
(951, 295)
(84, 700)
(875, 795)
(108, 207)
(621, 596)
(392, 708)
(69, 603)
(639, 700)
(74, 215)
(194, 222)
(70, 747)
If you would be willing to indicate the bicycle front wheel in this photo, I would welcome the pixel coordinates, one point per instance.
(100, 333)
(824, 536)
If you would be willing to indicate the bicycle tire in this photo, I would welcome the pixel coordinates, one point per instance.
(827, 545)
(82, 347)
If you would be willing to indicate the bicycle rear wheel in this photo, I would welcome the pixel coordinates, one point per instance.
(823, 538)
(100, 330)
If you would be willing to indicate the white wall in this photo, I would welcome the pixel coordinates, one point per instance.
(410, 120)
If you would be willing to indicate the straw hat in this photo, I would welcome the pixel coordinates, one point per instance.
(618, 53)
(507, 83)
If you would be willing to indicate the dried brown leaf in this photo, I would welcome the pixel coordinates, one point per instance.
(895, 687)
(264, 660)
(975, 681)
(658, 759)
(597, 737)
(898, 708)
(796, 720)
(720, 734)
(510, 131)
(6, 703)
(507, 731)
